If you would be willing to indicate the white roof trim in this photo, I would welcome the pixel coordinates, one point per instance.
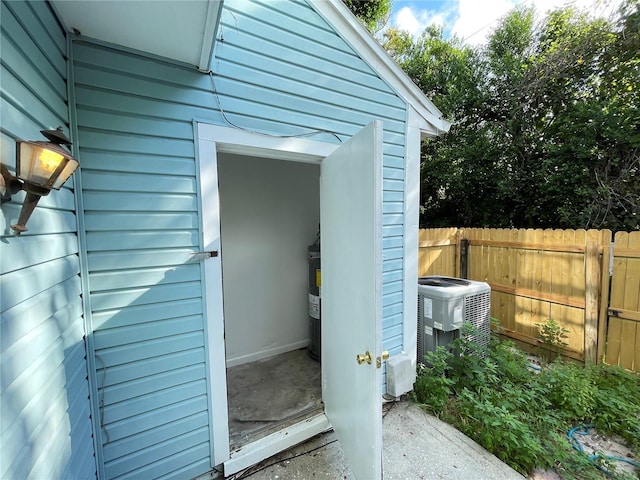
(356, 35)
(214, 11)
(179, 30)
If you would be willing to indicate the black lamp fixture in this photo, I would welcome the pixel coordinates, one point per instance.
(40, 166)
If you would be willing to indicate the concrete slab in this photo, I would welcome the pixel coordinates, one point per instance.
(416, 446)
(271, 393)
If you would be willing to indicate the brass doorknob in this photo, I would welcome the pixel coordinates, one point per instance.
(364, 358)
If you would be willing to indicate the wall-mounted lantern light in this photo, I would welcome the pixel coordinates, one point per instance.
(40, 166)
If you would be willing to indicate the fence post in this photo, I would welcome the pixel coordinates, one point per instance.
(456, 260)
(592, 290)
(464, 257)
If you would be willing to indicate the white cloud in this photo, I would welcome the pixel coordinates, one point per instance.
(415, 21)
(474, 20)
(406, 20)
(595, 7)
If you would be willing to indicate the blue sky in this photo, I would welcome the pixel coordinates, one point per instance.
(473, 20)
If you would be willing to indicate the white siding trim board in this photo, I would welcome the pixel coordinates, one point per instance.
(94, 405)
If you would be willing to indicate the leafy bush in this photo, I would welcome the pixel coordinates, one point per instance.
(500, 429)
(570, 390)
(433, 387)
(617, 403)
(493, 396)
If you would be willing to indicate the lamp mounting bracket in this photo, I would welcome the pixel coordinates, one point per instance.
(8, 184)
(57, 136)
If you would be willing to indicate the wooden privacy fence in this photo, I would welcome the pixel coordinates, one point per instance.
(536, 275)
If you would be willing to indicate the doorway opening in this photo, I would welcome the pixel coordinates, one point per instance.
(269, 215)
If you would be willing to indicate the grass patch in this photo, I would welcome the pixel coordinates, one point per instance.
(523, 417)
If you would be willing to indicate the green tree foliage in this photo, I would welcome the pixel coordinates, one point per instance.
(546, 122)
(373, 13)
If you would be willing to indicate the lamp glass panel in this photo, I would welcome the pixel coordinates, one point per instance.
(68, 170)
(44, 167)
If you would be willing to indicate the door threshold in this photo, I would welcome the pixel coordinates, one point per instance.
(270, 445)
(238, 441)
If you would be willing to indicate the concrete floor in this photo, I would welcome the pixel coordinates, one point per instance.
(282, 390)
(271, 393)
(415, 446)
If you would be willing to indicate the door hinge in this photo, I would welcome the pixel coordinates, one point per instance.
(384, 357)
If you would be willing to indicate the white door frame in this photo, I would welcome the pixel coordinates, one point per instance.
(212, 140)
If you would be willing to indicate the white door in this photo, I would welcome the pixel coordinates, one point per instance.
(351, 243)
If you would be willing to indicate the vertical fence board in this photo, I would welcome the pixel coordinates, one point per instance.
(458, 253)
(524, 280)
(538, 269)
(578, 266)
(575, 288)
(615, 331)
(616, 300)
(592, 280)
(633, 297)
(559, 284)
(510, 275)
(547, 271)
(605, 284)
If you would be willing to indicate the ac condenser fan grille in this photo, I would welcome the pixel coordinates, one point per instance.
(477, 308)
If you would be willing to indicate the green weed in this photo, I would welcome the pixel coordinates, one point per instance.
(493, 396)
(552, 335)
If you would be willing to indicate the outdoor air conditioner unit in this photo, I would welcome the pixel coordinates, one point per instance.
(444, 304)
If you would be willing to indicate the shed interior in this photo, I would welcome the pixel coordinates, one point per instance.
(269, 215)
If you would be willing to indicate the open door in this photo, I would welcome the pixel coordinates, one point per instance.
(351, 239)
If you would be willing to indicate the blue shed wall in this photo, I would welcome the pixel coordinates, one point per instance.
(278, 68)
(45, 420)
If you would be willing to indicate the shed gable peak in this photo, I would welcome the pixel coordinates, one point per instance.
(349, 28)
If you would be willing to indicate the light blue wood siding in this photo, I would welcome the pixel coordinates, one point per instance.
(278, 68)
(45, 410)
(141, 225)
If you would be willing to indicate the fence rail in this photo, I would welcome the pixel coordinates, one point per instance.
(536, 275)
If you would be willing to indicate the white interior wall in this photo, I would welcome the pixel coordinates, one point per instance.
(269, 214)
